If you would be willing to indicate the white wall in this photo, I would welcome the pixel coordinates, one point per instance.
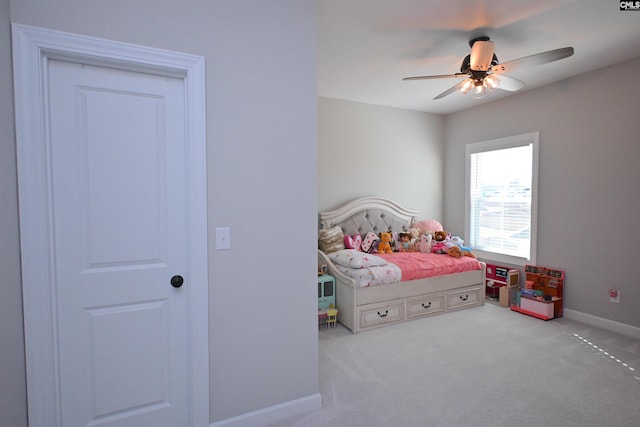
(262, 177)
(366, 150)
(589, 192)
(13, 398)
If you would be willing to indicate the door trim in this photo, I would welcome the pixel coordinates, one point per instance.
(32, 49)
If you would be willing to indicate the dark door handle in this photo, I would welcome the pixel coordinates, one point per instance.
(177, 281)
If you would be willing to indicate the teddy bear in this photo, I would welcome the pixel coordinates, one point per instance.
(415, 235)
(384, 246)
(440, 244)
(440, 236)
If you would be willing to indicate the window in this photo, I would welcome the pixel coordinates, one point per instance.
(501, 198)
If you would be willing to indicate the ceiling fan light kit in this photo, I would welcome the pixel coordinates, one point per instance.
(478, 87)
(481, 67)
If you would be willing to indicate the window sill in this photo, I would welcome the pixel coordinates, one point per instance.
(502, 259)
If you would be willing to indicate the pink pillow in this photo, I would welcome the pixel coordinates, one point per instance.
(353, 242)
(428, 226)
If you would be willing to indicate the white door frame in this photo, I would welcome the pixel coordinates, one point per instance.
(32, 49)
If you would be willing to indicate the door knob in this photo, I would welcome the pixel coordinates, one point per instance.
(177, 281)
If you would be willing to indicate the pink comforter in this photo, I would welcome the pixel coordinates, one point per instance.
(416, 265)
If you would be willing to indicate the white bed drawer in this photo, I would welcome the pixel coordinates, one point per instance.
(425, 304)
(463, 298)
(377, 314)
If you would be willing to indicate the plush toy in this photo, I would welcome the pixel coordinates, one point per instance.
(468, 253)
(457, 240)
(405, 242)
(439, 248)
(455, 251)
(415, 235)
(424, 244)
(440, 236)
(384, 246)
(395, 237)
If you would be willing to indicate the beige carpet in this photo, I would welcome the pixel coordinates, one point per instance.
(486, 366)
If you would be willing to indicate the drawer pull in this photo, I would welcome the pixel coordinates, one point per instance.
(464, 298)
(426, 306)
(386, 312)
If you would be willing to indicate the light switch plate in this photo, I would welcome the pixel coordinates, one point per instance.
(223, 238)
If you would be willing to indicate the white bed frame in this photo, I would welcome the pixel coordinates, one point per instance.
(371, 307)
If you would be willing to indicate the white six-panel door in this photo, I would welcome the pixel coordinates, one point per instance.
(119, 207)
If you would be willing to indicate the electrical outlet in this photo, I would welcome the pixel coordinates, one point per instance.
(614, 296)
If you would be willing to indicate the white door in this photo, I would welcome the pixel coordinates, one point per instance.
(119, 217)
(118, 197)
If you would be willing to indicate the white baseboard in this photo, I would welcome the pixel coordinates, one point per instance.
(274, 413)
(610, 325)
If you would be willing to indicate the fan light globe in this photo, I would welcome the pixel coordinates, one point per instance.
(491, 82)
(465, 86)
(478, 90)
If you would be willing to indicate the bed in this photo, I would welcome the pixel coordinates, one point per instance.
(362, 306)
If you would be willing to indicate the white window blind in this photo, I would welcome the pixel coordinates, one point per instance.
(501, 188)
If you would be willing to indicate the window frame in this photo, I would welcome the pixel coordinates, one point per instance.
(498, 144)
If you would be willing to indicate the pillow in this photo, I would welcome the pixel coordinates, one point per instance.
(356, 259)
(353, 242)
(369, 242)
(331, 240)
(428, 226)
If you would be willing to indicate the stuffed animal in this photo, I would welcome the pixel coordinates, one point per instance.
(395, 237)
(441, 243)
(415, 236)
(424, 244)
(439, 248)
(384, 246)
(468, 253)
(455, 251)
(440, 236)
(457, 240)
(405, 244)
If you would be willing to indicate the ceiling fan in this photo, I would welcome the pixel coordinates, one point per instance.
(481, 68)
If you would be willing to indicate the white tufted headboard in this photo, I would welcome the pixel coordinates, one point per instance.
(368, 214)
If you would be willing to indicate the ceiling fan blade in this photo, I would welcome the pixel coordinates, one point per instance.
(532, 60)
(509, 83)
(447, 92)
(481, 55)
(438, 76)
